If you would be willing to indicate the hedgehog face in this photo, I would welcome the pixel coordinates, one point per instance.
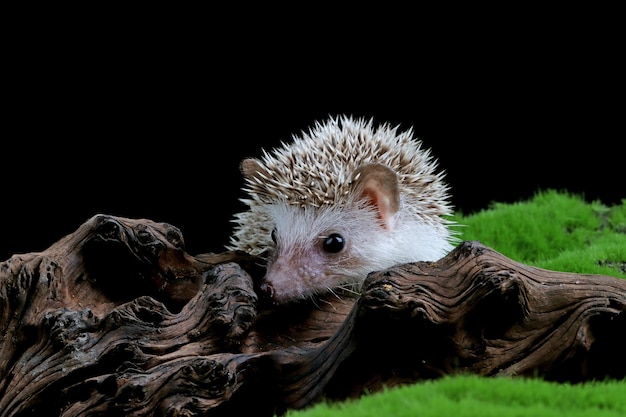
(318, 249)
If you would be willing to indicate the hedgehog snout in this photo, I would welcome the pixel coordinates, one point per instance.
(267, 291)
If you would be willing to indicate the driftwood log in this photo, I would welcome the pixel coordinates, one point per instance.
(117, 319)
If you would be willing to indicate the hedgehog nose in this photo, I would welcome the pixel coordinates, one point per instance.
(267, 291)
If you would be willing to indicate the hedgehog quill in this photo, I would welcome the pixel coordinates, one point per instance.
(339, 201)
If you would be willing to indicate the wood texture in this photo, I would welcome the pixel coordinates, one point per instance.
(117, 319)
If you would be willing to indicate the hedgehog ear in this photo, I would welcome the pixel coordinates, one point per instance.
(251, 168)
(378, 184)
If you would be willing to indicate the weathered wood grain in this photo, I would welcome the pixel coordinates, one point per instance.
(117, 319)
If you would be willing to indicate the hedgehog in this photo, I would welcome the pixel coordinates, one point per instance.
(341, 200)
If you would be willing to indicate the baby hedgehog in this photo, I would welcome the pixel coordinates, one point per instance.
(345, 199)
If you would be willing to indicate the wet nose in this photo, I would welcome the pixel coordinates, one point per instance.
(267, 291)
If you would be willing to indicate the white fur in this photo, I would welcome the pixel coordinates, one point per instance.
(299, 267)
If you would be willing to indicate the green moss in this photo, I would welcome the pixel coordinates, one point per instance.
(473, 396)
(554, 230)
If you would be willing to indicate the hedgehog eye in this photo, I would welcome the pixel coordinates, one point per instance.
(333, 243)
(274, 238)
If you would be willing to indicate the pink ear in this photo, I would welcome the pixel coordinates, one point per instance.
(379, 185)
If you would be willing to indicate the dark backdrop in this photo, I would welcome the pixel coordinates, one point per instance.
(140, 132)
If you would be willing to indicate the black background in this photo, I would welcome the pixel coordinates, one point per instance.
(153, 124)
